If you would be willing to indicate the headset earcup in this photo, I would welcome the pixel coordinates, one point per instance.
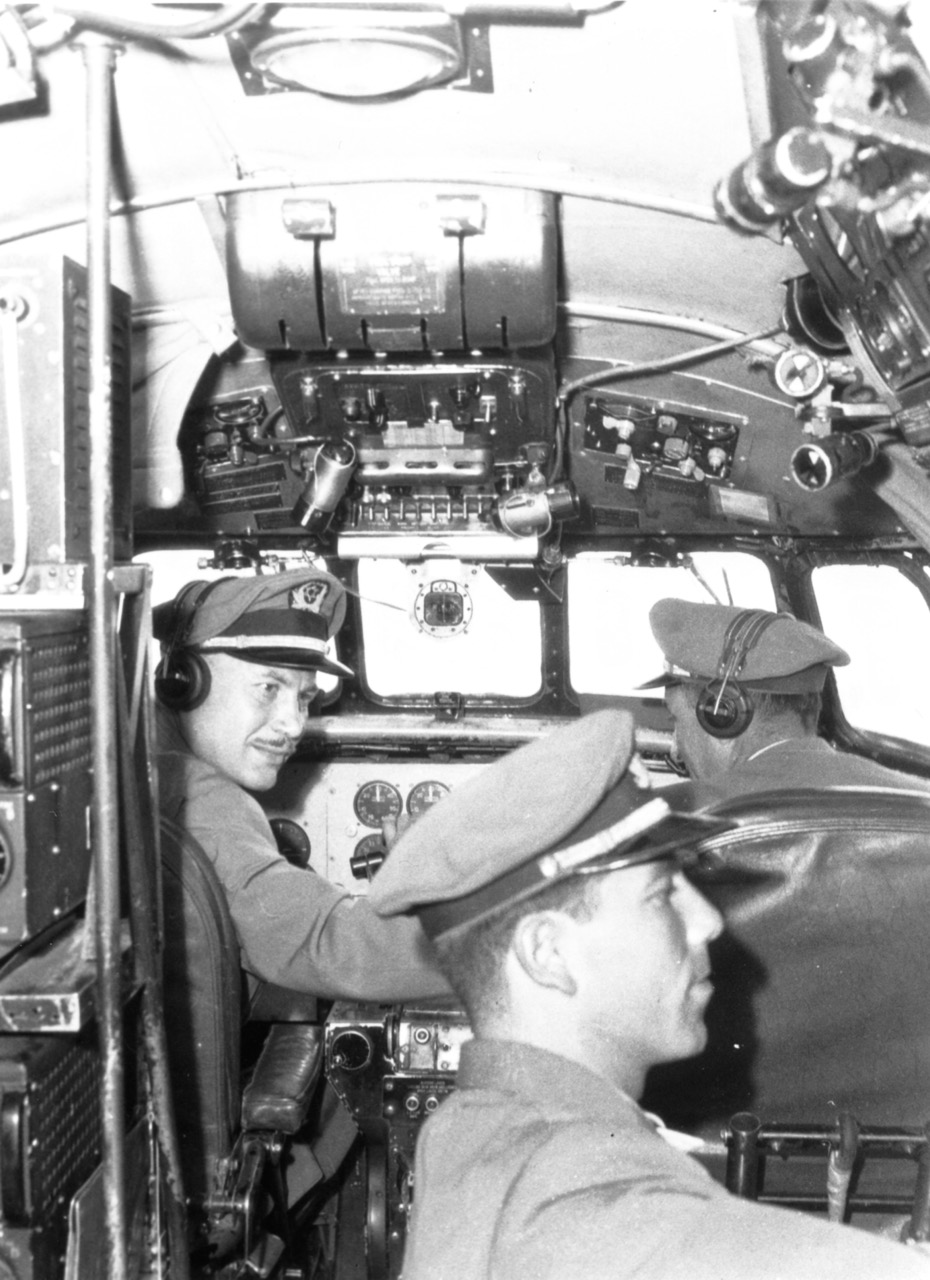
(724, 714)
(182, 681)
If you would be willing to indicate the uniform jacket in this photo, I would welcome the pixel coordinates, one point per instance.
(807, 762)
(537, 1169)
(295, 929)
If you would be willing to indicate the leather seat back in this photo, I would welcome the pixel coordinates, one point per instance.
(821, 1000)
(203, 1008)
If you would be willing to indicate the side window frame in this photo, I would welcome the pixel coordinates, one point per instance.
(520, 581)
(647, 557)
(889, 750)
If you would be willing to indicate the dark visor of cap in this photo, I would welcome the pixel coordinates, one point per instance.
(674, 837)
(663, 681)
(299, 659)
(810, 680)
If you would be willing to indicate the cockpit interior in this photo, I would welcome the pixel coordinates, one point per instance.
(516, 316)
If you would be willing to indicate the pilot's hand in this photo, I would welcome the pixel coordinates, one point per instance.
(393, 828)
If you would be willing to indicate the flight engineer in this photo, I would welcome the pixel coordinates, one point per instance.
(552, 887)
(744, 688)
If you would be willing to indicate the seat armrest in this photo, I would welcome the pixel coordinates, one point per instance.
(279, 1093)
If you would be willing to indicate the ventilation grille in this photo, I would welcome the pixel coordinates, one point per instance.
(60, 720)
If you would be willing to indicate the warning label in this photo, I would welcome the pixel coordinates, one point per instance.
(390, 284)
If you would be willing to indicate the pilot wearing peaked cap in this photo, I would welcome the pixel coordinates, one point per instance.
(552, 885)
(744, 688)
(235, 685)
(285, 617)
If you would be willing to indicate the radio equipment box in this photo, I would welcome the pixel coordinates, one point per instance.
(50, 1137)
(45, 770)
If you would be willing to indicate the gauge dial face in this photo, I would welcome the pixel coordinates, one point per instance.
(424, 795)
(292, 841)
(376, 801)
(369, 845)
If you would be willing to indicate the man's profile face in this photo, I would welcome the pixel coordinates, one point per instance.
(642, 968)
(252, 719)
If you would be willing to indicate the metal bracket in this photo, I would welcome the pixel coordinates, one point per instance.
(449, 706)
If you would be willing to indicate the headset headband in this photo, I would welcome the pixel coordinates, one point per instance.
(188, 601)
(742, 636)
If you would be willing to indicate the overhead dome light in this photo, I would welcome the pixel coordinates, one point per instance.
(372, 55)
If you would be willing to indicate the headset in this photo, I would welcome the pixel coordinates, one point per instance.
(724, 708)
(182, 677)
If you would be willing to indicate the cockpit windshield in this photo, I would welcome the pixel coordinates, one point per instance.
(441, 625)
(609, 598)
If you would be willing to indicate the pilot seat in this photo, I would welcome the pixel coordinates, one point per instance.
(234, 1128)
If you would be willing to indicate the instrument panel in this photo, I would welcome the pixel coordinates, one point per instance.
(376, 800)
(341, 805)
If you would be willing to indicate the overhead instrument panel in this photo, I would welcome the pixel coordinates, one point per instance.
(412, 450)
(409, 331)
(842, 163)
(644, 465)
(664, 441)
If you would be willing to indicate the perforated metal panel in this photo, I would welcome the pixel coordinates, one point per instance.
(59, 699)
(45, 770)
(50, 1143)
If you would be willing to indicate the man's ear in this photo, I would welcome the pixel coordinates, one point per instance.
(537, 945)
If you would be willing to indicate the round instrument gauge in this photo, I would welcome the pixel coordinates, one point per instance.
(368, 856)
(351, 1049)
(292, 841)
(376, 801)
(369, 846)
(424, 795)
(443, 608)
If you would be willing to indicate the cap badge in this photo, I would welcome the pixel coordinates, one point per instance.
(311, 596)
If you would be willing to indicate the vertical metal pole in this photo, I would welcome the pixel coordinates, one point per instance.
(99, 52)
(840, 1164)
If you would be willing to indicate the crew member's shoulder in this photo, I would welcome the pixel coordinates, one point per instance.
(813, 762)
(615, 1157)
(551, 1148)
(880, 776)
(199, 795)
(181, 774)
